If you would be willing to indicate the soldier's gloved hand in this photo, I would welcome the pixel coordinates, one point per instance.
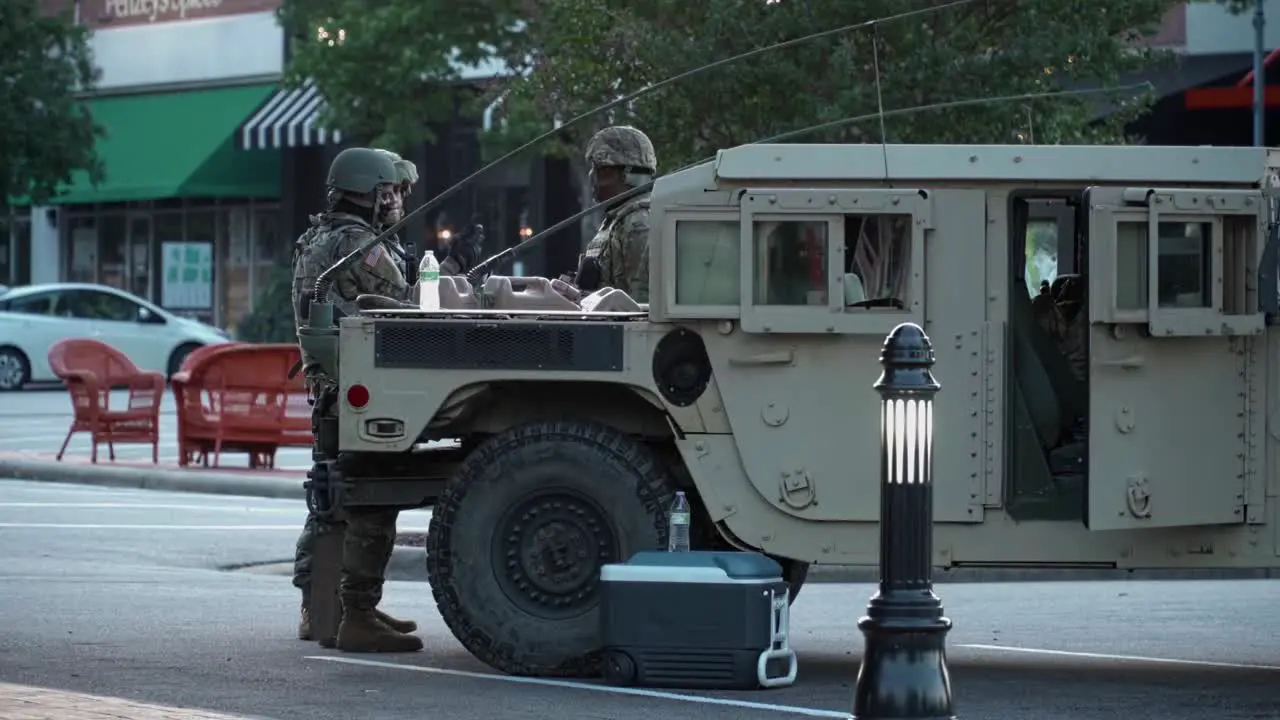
(466, 248)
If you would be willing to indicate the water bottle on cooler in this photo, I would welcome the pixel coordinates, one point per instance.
(429, 282)
(678, 524)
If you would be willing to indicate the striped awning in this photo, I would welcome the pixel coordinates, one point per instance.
(288, 119)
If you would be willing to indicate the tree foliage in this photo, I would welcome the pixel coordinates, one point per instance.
(1239, 6)
(389, 69)
(588, 52)
(271, 320)
(47, 133)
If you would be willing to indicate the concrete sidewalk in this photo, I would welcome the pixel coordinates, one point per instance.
(25, 702)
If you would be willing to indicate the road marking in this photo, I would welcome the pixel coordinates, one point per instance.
(107, 526)
(1124, 658)
(699, 699)
(293, 508)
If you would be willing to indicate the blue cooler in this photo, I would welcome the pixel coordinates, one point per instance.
(704, 620)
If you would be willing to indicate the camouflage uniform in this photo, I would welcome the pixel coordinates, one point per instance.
(619, 251)
(366, 179)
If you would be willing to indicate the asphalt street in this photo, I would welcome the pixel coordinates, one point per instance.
(121, 592)
(36, 421)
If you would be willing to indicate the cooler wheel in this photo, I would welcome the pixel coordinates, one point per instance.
(619, 668)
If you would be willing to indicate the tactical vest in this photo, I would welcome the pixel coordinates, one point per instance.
(589, 277)
(313, 253)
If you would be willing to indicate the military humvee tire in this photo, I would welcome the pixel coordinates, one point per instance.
(518, 536)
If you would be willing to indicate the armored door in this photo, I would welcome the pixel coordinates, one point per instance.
(1175, 349)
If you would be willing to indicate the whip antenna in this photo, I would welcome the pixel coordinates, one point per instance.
(875, 63)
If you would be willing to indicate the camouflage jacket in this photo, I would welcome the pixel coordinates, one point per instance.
(621, 247)
(330, 237)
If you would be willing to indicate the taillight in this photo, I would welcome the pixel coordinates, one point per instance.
(357, 396)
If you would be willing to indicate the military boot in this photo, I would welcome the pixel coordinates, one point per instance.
(362, 631)
(304, 625)
(400, 626)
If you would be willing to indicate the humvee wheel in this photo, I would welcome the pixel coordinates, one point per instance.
(518, 536)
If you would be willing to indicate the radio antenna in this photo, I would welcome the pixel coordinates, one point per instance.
(326, 277)
(515, 250)
(875, 63)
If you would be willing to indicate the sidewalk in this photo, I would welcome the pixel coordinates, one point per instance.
(24, 702)
(44, 467)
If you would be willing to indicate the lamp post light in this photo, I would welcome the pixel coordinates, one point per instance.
(904, 664)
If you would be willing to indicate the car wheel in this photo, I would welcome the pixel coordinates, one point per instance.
(179, 356)
(15, 370)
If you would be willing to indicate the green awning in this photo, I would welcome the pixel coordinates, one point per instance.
(178, 144)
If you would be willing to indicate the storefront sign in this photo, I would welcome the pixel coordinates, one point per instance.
(106, 14)
(187, 283)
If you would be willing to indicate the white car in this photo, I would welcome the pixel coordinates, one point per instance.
(34, 317)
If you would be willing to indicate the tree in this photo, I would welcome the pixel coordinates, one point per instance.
(390, 69)
(271, 320)
(47, 132)
(588, 52)
(1239, 6)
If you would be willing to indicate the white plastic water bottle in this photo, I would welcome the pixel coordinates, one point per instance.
(429, 282)
(678, 525)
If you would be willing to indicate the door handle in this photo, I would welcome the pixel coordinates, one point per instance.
(1132, 362)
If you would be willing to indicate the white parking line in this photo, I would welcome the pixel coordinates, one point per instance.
(641, 692)
(146, 506)
(107, 526)
(1122, 658)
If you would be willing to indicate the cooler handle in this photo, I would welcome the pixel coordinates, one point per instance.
(779, 647)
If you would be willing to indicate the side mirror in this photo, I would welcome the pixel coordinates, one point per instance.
(146, 317)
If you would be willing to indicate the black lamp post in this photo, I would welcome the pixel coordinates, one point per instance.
(904, 665)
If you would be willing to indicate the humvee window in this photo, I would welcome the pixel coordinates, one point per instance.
(878, 257)
(791, 262)
(1182, 269)
(1041, 253)
(707, 262)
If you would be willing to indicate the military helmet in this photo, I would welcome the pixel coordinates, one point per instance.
(361, 170)
(622, 146)
(405, 170)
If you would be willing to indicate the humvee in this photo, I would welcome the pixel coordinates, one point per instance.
(1119, 415)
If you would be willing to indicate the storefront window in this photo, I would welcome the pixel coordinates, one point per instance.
(10, 239)
(111, 251)
(235, 254)
(187, 280)
(140, 255)
(83, 265)
(269, 249)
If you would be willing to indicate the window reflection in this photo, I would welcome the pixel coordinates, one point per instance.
(707, 262)
(1182, 268)
(790, 262)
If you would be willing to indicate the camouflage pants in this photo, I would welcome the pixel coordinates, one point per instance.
(368, 539)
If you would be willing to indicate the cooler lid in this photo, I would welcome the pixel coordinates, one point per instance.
(708, 566)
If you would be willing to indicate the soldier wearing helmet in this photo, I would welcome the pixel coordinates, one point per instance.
(363, 194)
(407, 173)
(619, 157)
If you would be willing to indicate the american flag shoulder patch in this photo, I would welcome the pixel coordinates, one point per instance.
(372, 257)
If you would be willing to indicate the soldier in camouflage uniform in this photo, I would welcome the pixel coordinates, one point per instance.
(620, 157)
(364, 193)
(408, 174)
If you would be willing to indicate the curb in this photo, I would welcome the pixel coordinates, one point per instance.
(193, 480)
